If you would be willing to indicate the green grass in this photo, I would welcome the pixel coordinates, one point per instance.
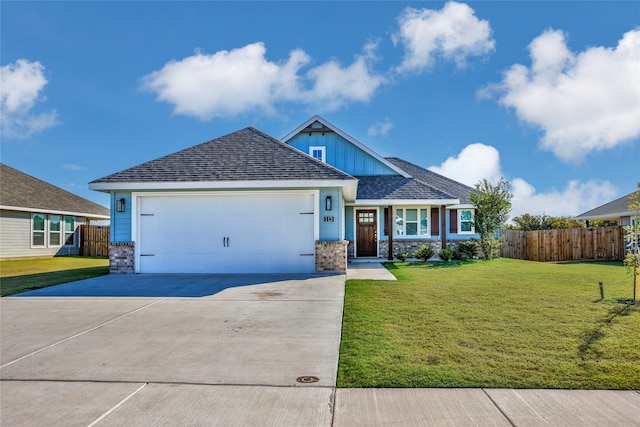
(28, 274)
(501, 323)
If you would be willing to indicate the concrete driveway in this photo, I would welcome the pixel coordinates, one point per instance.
(209, 350)
(99, 350)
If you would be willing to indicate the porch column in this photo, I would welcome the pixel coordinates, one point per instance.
(443, 224)
(389, 220)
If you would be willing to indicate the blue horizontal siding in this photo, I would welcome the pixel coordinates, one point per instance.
(349, 233)
(331, 231)
(121, 221)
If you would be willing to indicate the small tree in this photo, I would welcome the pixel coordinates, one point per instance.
(632, 261)
(528, 222)
(492, 203)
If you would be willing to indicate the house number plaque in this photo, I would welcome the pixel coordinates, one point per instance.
(328, 219)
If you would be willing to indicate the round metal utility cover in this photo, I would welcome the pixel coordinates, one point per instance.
(307, 379)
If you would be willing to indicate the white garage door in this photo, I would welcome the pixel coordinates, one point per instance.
(226, 234)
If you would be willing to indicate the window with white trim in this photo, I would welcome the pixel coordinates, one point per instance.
(411, 222)
(318, 152)
(38, 230)
(48, 231)
(55, 230)
(465, 221)
(69, 231)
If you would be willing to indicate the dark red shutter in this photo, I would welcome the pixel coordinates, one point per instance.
(435, 222)
(453, 221)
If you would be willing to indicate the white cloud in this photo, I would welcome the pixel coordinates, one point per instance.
(583, 102)
(21, 84)
(474, 163)
(478, 161)
(228, 83)
(380, 128)
(577, 197)
(454, 33)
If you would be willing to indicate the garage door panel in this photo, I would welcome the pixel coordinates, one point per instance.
(230, 234)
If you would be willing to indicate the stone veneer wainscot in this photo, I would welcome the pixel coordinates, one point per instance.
(121, 257)
(331, 256)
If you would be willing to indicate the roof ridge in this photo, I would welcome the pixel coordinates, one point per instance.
(247, 154)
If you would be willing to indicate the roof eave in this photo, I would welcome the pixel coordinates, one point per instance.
(603, 216)
(405, 202)
(53, 211)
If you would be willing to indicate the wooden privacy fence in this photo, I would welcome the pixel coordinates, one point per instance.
(94, 240)
(571, 244)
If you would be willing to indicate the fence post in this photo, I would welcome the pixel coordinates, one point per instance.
(601, 290)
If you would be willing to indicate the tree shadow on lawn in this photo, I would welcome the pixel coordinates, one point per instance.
(587, 350)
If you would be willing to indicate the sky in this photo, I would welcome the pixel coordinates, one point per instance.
(543, 94)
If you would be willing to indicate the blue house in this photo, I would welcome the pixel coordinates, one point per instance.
(247, 202)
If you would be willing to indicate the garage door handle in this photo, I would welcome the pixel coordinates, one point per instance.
(307, 254)
(147, 255)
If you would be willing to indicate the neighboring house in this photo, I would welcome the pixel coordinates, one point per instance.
(38, 219)
(616, 210)
(247, 202)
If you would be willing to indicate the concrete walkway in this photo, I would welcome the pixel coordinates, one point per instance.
(368, 270)
(190, 350)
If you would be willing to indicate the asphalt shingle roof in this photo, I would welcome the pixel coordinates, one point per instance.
(20, 190)
(397, 187)
(616, 208)
(245, 155)
(438, 182)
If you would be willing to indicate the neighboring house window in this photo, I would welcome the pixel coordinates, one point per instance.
(412, 222)
(69, 231)
(55, 230)
(318, 153)
(38, 230)
(466, 221)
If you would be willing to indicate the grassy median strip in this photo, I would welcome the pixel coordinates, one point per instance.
(28, 274)
(501, 323)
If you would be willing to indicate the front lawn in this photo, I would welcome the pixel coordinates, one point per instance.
(27, 274)
(496, 324)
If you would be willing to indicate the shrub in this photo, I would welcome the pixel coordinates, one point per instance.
(424, 253)
(402, 256)
(465, 251)
(446, 254)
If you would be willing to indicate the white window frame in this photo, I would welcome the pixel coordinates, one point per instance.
(460, 221)
(43, 231)
(50, 231)
(403, 234)
(65, 232)
(323, 152)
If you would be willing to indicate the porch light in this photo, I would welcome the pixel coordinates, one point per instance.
(328, 203)
(120, 203)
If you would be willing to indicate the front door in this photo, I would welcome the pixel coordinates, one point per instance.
(366, 233)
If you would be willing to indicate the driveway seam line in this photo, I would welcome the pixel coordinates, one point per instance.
(119, 404)
(79, 334)
(509, 420)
